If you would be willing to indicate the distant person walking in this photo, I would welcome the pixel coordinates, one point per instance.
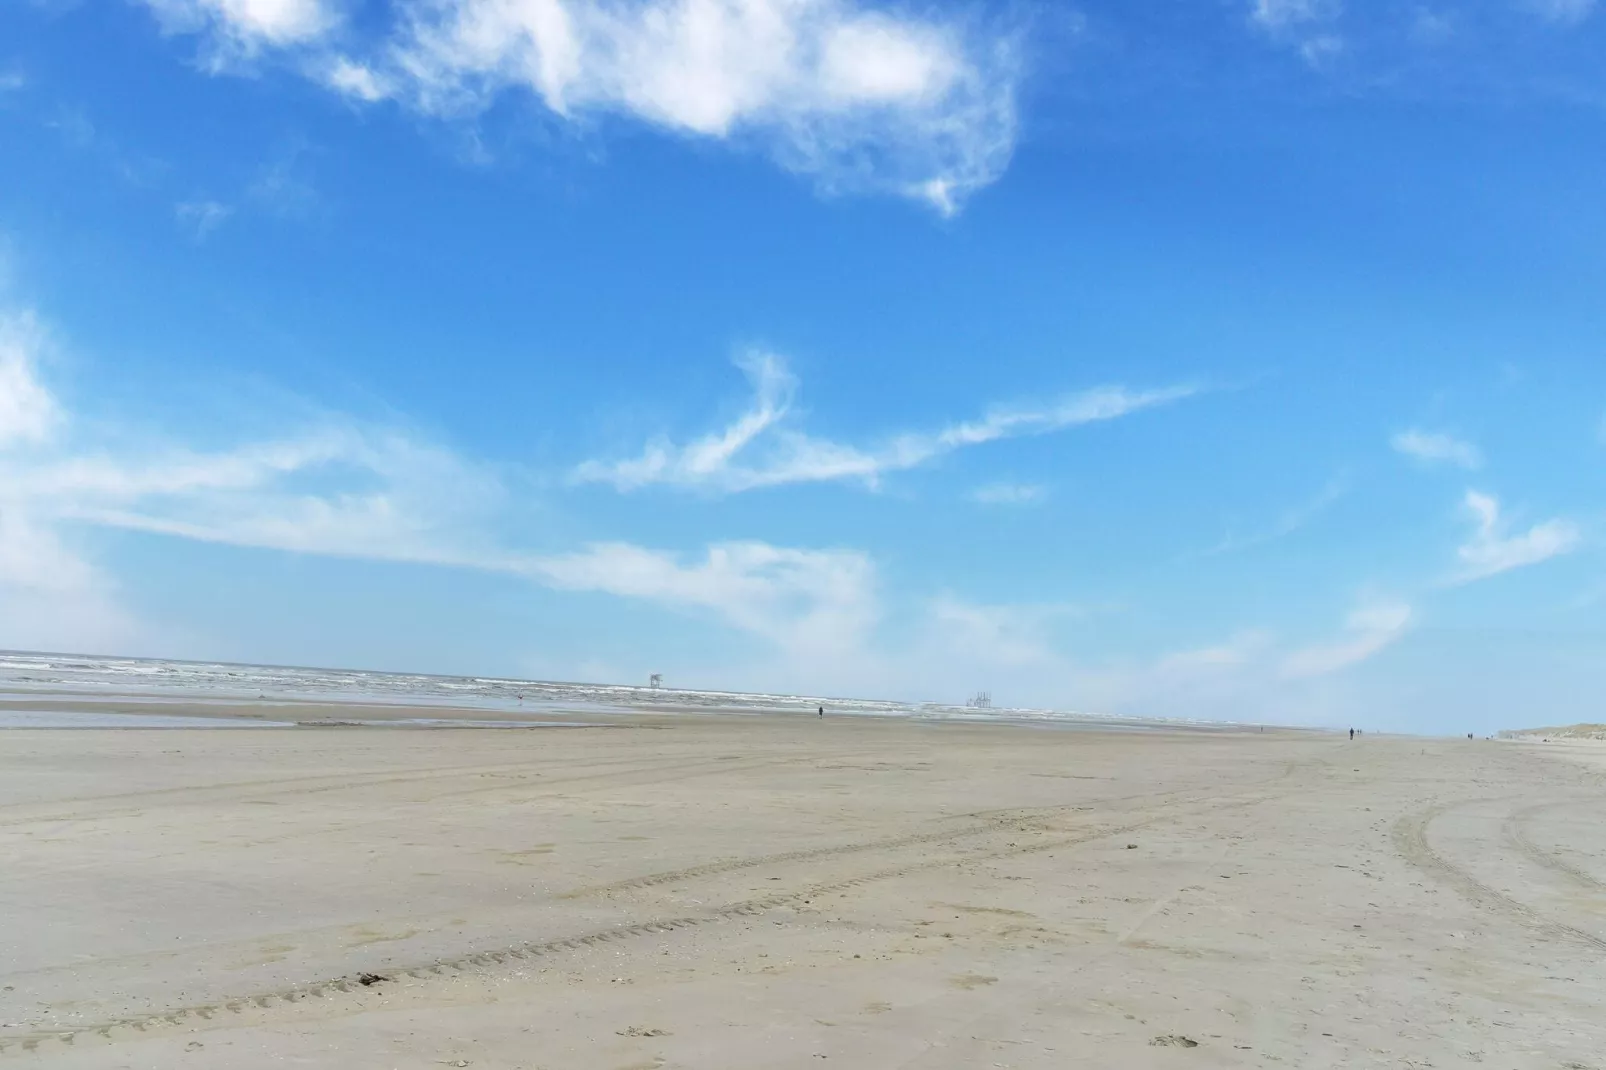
(822, 711)
(1352, 735)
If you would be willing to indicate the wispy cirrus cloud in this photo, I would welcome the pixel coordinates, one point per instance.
(1435, 447)
(1304, 25)
(1277, 14)
(1562, 12)
(201, 217)
(1009, 494)
(1491, 551)
(333, 486)
(856, 96)
(997, 636)
(1369, 630)
(336, 487)
(761, 448)
(1253, 674)
(809, 603)
(1237, 651)
(1290, 521)
(29, 412)
(50, 596)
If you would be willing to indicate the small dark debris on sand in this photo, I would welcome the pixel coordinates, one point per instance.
(638, 1031)
(366, 979)
(1173, 1041)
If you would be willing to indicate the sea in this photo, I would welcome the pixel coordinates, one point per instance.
(129, 681)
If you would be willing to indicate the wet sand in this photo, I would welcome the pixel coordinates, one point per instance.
(746, 892)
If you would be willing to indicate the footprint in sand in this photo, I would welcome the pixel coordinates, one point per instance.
(973, 980)
(1173, 1041)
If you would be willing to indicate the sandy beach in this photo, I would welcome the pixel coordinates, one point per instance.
(786, 891)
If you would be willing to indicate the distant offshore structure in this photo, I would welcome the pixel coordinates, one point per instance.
(982, 700)
(656, 680)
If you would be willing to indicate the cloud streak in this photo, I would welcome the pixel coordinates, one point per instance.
(1277, 14)
(1302, 25)
(201, 217)
(1490, 551)
(1009, 494)
(337, 488)
(760, 448)
(1291, 521)
(1562, 12)
(28, 412)
(1434, 448)
(1369, 631)
(810, 603)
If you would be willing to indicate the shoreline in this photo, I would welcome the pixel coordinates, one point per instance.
(99, 681)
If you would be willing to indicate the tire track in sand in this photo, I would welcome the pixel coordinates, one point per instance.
(351, 990)
(1411, 841)
(114, 1029)
(1516, 833)
(1023, 819)
(71, 809)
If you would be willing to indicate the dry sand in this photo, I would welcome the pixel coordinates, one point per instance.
(787, 892)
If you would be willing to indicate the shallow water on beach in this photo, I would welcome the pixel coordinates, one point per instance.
(63, 719)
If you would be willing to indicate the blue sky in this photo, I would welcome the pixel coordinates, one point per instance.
(1239, 358)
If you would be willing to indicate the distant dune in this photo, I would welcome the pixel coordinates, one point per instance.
(1572, 731)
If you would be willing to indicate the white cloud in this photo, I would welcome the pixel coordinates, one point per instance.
(333, 487)
(334, 490)
(1430, 26)
(1320, 50)
(1302, 25)
(1369, 630)
(760, 449)
(340, 488)
(201, 217)
(1562, 12)
(12, 80)
(51, 598)
(1490, 551)
(356, 80)
(1240, 650)
(1009, 494)
(33, 558)
(851, 96)
(337, 488)
(28, 412)
(811, 603)
(1253, 675)
(282, 187)
(1276, 14)
(1432, 447)
(1291, 521)
(855, 97)
(247, 25)
(993, 636)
